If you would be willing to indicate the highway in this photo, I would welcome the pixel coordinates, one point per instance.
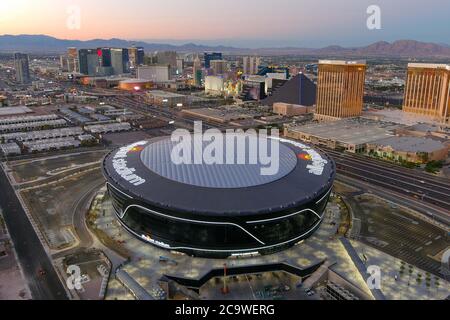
(137, 103)
(428, 210)
(32, 255)
(416, 186)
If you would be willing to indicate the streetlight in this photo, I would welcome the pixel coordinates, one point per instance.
(225, 289)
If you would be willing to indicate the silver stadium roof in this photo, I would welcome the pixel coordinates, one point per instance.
(231, 174)
(144, 172)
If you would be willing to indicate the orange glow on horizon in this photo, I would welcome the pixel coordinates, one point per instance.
(175, 20)
(300, 22)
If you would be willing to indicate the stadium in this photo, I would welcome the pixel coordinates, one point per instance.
(219, 210)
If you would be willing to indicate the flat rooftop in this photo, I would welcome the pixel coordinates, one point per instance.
(349, 131)
(165, 94)
(411, 144)
(424, 127)
(9, 148)
(343, 62)
(11, 111)
(134, 81)
(225, 113)
(429, 66)
(400, 117)
(42, 134)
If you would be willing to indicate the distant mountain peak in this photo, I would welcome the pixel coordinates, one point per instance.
(400, 48)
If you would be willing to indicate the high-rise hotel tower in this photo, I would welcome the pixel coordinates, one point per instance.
(428, 91)
(340, 89)
(22, 67)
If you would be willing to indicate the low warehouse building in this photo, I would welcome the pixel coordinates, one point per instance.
(411, 149)
(10, 149)
(351, 135)
(166, 99)
(290, 110)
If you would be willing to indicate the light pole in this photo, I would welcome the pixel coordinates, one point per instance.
(225, 289)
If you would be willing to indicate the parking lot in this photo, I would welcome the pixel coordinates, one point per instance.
(394, 230)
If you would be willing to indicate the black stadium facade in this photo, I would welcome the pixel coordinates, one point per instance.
(218, 210)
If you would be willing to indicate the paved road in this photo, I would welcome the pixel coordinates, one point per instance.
(400, 235)
(426, 209)
(167, 114)
(418, 187)
(31, 253)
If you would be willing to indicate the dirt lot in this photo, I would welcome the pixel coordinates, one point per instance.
(53, 206)
(29, 170)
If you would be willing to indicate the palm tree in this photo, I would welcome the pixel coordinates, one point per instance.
(402, 270)
(410, 273)
(437, 284)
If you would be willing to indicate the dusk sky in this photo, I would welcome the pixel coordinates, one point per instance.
(245, 23)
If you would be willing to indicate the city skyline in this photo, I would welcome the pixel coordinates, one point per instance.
(238, 151)
(176, 22)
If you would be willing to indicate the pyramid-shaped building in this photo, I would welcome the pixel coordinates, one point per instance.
(299, 90)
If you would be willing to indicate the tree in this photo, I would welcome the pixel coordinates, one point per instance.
(434, 166)
(437, 284)
(410, 273)
(419, 278)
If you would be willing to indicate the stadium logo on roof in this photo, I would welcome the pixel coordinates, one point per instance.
(234, 147)
(120, 164)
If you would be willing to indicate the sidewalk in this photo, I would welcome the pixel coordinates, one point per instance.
(406, 287)
(378, 295)
(13, 285)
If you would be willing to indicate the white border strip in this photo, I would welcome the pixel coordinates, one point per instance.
(326, 194)
(221, 251)
(218, 223)
(189, 220)
(109, 184)
(284, 217)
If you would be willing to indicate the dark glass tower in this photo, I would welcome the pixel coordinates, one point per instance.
(210, 56)
(104, 56)
(140, 56)
(88, 61)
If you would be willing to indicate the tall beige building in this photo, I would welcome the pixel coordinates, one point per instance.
(70, 62)
(427, 90)
(218, 66)
(72, 52)
(251, 65)
(340, 89)
(197, 73)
